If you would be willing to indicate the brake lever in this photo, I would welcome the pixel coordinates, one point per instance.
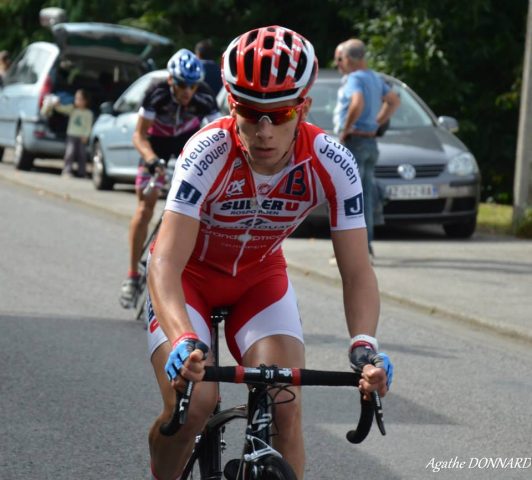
(184, 402)
(179, 415)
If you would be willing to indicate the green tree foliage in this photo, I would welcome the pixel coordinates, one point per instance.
(463, 58)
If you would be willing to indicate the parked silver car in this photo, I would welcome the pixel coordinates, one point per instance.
(114, 158)
(100, 58)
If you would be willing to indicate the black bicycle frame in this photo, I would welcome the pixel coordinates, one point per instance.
(257, 411)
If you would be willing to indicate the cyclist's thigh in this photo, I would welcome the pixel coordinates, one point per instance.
(281, 350)
(267, 314)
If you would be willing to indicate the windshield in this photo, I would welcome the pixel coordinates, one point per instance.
(410, 113)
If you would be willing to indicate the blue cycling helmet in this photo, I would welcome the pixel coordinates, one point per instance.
(184, 66)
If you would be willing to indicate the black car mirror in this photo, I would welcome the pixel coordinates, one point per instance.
(107, 107)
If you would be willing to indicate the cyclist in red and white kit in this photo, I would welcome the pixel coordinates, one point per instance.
(241, 185)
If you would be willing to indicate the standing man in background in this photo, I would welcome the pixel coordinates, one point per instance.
(365, 102)
(213, 75)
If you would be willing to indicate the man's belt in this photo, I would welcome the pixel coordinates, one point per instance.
(362, 133)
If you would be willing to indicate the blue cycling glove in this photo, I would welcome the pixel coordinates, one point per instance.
(183, 347)
(364, 352)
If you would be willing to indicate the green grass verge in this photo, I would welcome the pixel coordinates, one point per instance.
(495, 218)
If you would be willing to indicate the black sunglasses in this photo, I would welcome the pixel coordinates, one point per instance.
(181, 84)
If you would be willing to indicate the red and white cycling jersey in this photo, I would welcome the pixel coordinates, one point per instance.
(245, 217)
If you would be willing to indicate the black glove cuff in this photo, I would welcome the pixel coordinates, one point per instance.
(360, 356)
(153, 164)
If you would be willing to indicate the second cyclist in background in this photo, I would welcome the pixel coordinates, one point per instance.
(171, 112)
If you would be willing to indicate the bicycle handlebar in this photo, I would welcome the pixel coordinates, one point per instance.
(272, 375)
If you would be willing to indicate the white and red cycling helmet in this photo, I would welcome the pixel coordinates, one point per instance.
(269, 64)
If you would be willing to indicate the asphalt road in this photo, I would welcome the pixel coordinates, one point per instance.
(77, 395)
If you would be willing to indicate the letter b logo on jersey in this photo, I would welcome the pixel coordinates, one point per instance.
(187, 193)
(354, 206)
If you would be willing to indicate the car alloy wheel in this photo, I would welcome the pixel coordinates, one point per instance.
(99, 176)
(22, 159)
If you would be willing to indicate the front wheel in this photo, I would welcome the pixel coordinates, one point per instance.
(271, 467)
(463, 229)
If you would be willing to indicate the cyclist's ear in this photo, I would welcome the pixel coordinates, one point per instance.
(306, 108)
(231, 105)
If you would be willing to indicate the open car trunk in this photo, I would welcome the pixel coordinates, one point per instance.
(102, 59)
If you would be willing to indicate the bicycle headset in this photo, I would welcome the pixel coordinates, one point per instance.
(185, 67)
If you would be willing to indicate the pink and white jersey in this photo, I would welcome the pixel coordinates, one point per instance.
(244, 216)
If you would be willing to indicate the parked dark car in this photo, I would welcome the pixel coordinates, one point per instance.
(101, 58)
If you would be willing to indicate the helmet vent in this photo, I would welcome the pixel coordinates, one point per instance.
(265, 69)
(248, 65)
(232, 61)
(302, 64)
(288, 39)
(252, 37)
(268, 43)
(284, 62)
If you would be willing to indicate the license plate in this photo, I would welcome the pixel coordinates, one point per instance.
(402, 192)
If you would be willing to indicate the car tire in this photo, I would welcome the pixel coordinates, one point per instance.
(100, 179)
(1, 153)
(464, 229)
(22, 159)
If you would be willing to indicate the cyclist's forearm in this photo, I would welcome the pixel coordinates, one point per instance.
(168, 299)
(143, 146)
(174, 246)
(360, 290)
(362, 304)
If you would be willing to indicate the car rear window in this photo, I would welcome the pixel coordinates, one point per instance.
(29, 66)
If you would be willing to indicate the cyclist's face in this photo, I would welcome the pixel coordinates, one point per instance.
(269, 139)
(183, 93)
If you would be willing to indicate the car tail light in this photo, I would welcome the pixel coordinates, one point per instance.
(46, 89)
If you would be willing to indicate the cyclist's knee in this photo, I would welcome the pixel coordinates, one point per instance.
(287, 408)
(202, 405)
(145, 212)
(203, 401)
